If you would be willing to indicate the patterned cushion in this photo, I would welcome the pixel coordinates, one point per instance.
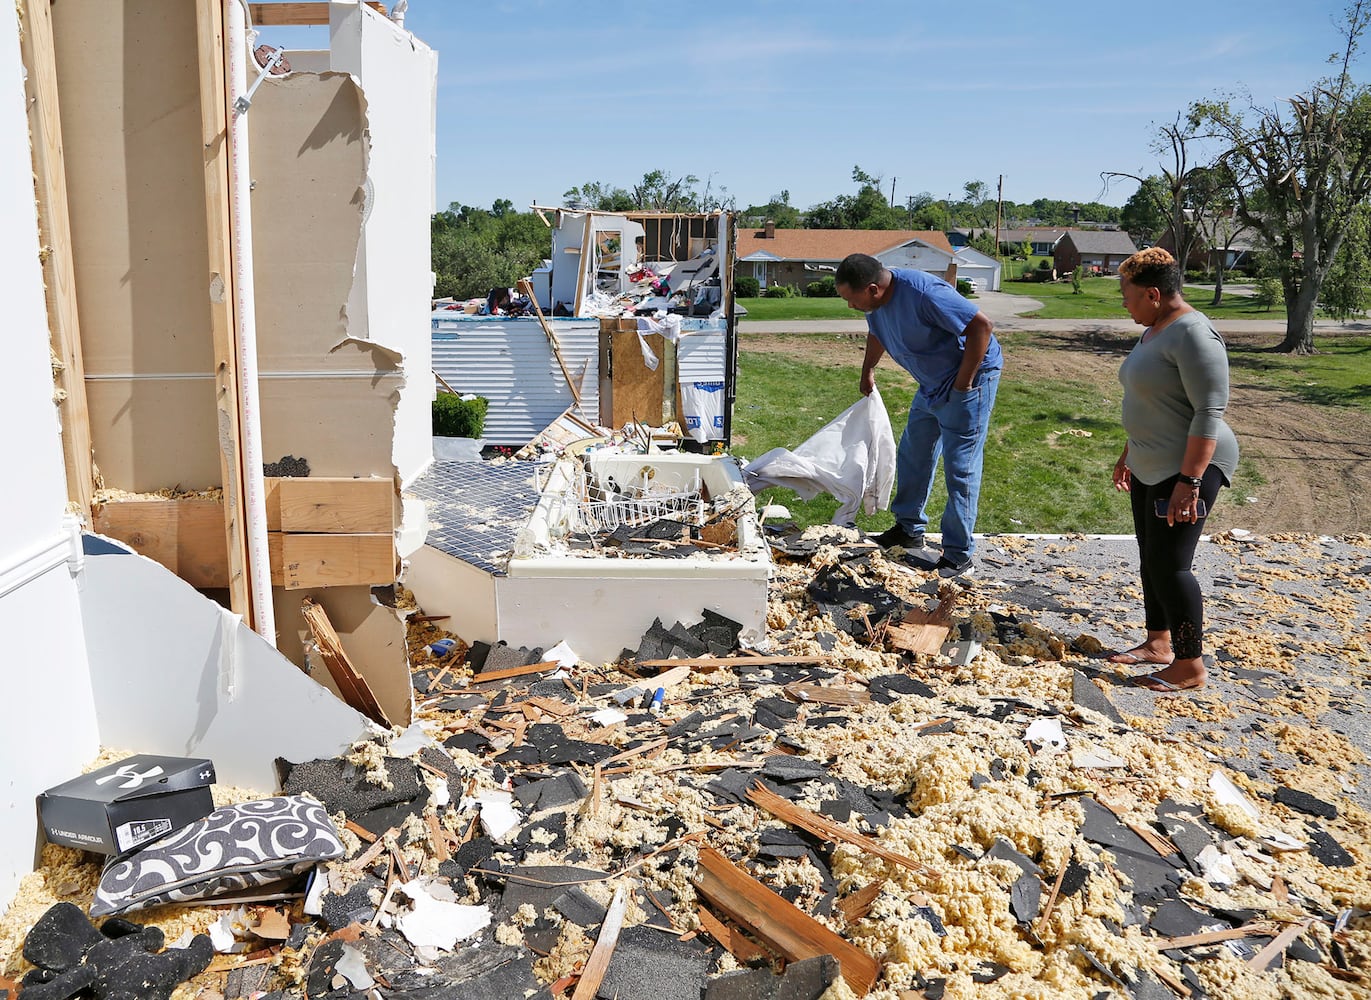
(232, 849)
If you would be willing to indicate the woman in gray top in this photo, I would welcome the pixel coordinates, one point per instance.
(1179, 452)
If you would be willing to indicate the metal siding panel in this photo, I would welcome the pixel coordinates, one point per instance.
(509, 362)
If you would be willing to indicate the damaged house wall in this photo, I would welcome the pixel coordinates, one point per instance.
(44, 685)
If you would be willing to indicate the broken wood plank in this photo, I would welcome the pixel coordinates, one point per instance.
(1052, 897)
(363, 834)
(1177, 986)
(272, 14)
(822, 826)
(437, 838)
(924, 631)
(507, 672)
(374, 851)
(600, 955)
(820, 695)
(331, 505)
(551, 706)
(859, 904)
(351, 685)
(735, 942)
(1279, 943)
(777, 923)
(1214, 937)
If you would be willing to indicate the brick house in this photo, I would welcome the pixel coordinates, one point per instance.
(1099, 250)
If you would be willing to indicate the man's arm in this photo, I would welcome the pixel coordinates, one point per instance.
(977, 335)
(874, 353)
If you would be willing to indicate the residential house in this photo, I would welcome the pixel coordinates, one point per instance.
(1099, 250)
(980, 267)
(1233, 243)
(1042, 239)
(798, 256)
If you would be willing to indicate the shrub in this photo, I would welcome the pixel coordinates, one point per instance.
(777, 292)
(1268, 292)
(746, 288)
(1195, 274)
(454, 416)
(964, 287)
(1026, 274)
(824, 288)
(1044, 265)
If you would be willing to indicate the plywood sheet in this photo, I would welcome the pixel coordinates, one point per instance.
(636, 390)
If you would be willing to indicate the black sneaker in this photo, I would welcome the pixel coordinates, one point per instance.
(949, 569)
(896, 535)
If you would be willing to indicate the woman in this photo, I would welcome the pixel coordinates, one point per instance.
(1179, 452)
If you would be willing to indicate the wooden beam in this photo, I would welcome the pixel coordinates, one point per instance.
(54, 223)
(307, 561)
(598, 963)
(778, 923)
(347, 506)
(352, 685)
(271, 14)
(187, 537)
(826, 829)
(219, 293)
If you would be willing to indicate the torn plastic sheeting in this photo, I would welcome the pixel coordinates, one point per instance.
(1229, 794)
(852, 458)
(352, 966)
(437, 923)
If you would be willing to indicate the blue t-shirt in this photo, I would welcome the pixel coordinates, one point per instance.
(921, 328)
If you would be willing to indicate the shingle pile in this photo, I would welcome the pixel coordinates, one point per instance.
(835, 818)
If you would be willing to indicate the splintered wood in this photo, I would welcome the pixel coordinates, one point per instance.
(925, 631)
(822, 826)
(776, 922)
(351, 685)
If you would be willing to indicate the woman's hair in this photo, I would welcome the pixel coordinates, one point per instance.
(1153, 268)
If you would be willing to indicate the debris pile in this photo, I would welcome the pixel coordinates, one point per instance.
(912, 792)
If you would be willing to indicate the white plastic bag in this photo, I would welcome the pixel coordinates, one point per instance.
(853, 458)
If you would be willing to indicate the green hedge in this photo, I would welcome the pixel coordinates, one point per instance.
(454, 416)
(824, 288)
(746, 288)
(777, 292)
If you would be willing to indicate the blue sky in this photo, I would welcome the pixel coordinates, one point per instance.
(760, 96)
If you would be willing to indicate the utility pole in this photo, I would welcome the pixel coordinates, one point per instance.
(892, 191)
(999, 210)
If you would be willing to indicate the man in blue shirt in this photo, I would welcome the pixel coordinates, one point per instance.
(946, 343)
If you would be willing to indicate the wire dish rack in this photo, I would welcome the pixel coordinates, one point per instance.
(590, 506)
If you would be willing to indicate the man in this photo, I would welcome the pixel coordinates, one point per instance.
(946, 343)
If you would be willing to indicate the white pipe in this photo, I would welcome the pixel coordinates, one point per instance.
(250, 431)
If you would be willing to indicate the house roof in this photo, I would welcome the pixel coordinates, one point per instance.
(1110, 241)
(831, 244)
(1035, 234)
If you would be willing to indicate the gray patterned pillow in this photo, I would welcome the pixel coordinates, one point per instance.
(235, 848)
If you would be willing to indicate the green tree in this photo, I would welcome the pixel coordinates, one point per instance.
(778, 210)
(1172, 194)
(1143, 217)
(1301, 173)
(475, 250)
(1347, 288)
(867, 209)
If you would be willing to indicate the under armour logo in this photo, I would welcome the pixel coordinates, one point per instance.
(131, 775)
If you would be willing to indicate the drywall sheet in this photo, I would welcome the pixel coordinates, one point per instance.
(175, 673)
(399, 76)
(131, 129)
(373, 638)
(309, 163)
(151, 433)
(341, 424)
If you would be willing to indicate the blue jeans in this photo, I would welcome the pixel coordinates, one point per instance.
(956, 430)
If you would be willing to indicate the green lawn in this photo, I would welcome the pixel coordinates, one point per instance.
(1099, 299)
(797, 307)
(1338, 375)
(1038, 477)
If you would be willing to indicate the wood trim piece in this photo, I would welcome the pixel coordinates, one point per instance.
(272, 14)
(209, 32)
(777, 922)
(59, 270)
(598, 963)
(825, 828)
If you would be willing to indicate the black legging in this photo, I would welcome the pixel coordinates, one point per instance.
(1171, 594)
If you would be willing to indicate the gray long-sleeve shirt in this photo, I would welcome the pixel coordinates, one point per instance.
(1175, 386)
